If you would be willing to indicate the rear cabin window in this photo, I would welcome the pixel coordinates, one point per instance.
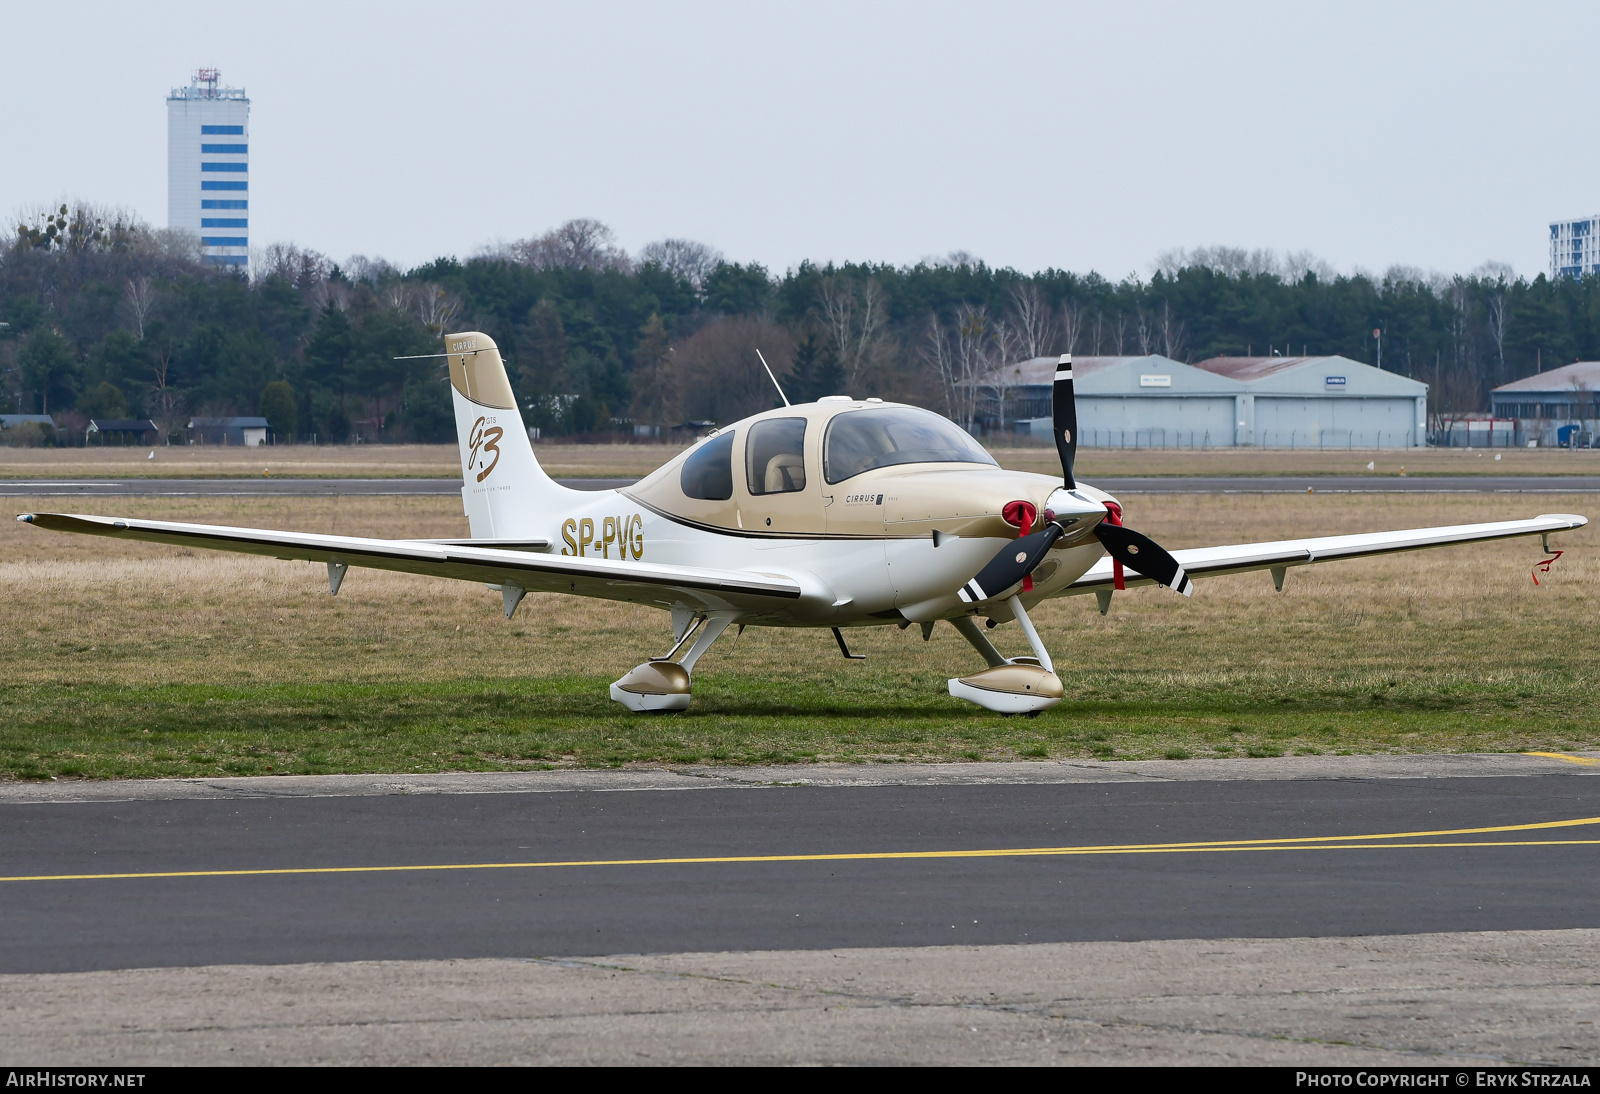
(774, 456)
(708, 472)
(861, 440)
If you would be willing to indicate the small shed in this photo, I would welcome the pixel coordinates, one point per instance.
(121, 431)
(1559, 407)
(243, 431)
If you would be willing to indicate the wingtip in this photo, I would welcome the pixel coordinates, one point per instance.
(25, 518)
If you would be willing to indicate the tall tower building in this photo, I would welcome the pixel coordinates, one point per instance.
(1575, 247)
(208, 167)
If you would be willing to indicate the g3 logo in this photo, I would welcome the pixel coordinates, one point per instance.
(489, 440)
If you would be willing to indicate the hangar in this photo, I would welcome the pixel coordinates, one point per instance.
(1152, 401)
(1325, 402)
(1123, 402)
(1560, 407)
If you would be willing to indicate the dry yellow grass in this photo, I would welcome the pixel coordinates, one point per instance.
(1436, 650)
(623, 460)
(315, 461)
(1094, 462)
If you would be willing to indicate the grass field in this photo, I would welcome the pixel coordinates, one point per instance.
(125, 659)
(615, 461)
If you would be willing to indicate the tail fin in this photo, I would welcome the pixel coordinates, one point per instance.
(505, 492)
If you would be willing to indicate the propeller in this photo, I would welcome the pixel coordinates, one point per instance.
(1015, 561)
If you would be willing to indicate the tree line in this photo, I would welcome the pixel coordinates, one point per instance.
(106, 317)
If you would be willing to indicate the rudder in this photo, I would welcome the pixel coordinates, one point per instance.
(505, 492)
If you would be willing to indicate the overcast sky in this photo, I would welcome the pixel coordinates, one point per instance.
(1080, 136)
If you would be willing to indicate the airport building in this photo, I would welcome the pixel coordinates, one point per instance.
(1575, 247)
(1274, 402)
(208, 167)
(1325, 402)
(1560, 407)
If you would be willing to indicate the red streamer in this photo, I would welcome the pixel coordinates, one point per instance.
(1544, 567)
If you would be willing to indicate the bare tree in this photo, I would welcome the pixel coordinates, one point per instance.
(323, 294)
(581, 244)
(1071, 326)
(141, 297)
(1033, 321)
(435, 308)
(301, 267)
(719, 375)
(359, 268)
(166, 402)
(694, 262)
(1171, 332)
(972, 359)
(1143, 329)
(936, 352)
(1498, 276)
(854, 318)
(1119, 333)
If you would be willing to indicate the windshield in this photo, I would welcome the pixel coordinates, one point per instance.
(861, 440)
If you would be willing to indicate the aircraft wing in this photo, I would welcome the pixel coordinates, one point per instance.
(1214, 561)
(609, 579)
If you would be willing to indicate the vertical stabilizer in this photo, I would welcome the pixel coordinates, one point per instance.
(505, 492)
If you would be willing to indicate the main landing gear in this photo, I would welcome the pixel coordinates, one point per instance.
(1017, 685)
(662, 683)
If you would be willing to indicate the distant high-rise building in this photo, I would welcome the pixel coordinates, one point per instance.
(208, 167)
(1575, 247)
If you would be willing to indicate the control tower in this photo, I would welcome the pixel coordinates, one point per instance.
(208, 167)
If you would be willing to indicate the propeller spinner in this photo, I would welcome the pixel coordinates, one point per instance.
(1017, 560)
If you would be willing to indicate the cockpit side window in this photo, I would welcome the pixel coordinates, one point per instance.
(774, 456)
(708, 472)
(861, 440)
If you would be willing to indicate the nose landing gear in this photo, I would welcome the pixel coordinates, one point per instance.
(1017, 685)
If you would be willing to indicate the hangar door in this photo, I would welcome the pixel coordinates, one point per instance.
(1154, 422)
(1332, 422)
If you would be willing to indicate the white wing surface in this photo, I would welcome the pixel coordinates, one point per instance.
(1239, 558)
(638, 582)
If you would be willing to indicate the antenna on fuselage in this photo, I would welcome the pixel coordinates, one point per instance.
(775, 383)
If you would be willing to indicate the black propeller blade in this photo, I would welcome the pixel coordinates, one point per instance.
(1017, 560)
(1014, 562)
(1143, 555)
(1064, 412)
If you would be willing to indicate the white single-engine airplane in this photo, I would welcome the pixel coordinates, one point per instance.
(840, 513)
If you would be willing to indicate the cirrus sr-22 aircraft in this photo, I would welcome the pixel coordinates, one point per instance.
(840, 513)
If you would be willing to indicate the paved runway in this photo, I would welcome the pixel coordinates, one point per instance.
(317, 488)
(390, 875)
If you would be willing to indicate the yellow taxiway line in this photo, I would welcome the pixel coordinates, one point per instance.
(1587, 760)
(1371, 842)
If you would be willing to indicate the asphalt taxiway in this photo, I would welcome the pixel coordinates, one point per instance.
(1299, 910)
(243, 872)
(317, 488)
